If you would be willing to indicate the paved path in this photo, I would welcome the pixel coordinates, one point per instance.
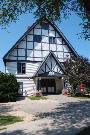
(59, 115)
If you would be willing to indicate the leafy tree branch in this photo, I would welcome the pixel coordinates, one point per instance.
(10, 10)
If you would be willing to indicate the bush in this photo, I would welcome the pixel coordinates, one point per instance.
(88, 90)
(79, 94)
(8, 87)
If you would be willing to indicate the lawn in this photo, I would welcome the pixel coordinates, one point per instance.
(6, 120)
(85, 131)
(37, 97)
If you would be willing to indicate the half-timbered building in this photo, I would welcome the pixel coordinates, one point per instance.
(37, 58)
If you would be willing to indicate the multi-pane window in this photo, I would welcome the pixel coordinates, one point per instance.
(37, 38)
(21, 68)
(45, 26)
(52, 40)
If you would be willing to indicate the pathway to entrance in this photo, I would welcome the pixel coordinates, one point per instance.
(58, 115)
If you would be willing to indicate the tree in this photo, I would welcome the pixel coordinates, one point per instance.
(78, 71)
(10, 10)
(8, 87)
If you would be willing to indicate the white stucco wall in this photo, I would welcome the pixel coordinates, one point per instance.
(59, 85)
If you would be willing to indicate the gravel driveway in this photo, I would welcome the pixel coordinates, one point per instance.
(58, 115)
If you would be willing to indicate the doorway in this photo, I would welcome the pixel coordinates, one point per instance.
(48, 86)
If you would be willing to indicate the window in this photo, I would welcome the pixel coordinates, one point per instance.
(21, 68)
(20, 91)
(37, 38)
(52, 40)
(45, 26)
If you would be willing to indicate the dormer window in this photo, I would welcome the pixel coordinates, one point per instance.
(52, 40)
(37, 38)
(45, 26)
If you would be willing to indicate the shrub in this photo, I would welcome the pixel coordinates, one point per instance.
(88, 90)
(8, 87)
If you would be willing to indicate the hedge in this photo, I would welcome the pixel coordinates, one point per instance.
(8, 87)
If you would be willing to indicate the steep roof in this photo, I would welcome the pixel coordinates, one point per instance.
(34, 24)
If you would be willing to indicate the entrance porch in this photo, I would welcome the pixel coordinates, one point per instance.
(49, 76)
(50, 85)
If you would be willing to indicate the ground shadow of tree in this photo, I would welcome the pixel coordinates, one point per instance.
(5, 108)
(16, 132)
(67, 118)
(9, 106)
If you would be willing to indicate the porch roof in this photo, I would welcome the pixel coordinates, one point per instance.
(51, 72)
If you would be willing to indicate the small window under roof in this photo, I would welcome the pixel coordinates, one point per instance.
(45, 26)
(52, 40)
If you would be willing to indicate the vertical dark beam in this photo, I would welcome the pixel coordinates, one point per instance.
(51, 63)
(63, 50)
(48, 38)
(63, 55)
(41, 45)
(56, 48)
(38, 84)
(5, 65)
(70, 54)
(17, 52)
(26, 49)
(45, 66)
(57, 69)
(56, 44)
(33, 43)
(63, 82)
(17, 59)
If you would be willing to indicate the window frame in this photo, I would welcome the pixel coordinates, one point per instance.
(20, 71)
(37, 38)
(52, 40)
(45, 26)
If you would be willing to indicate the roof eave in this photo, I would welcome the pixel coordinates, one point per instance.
(34, 24)
(59, 32)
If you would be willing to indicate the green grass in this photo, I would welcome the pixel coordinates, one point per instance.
(6, 120)
(85, 131)
(37, 98)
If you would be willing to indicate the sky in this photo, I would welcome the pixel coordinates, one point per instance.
(70, 28)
